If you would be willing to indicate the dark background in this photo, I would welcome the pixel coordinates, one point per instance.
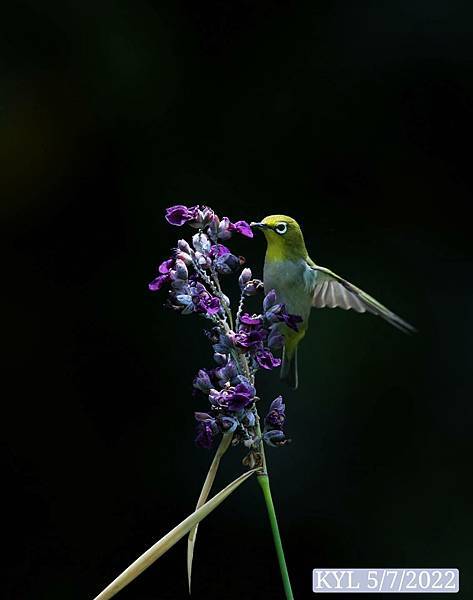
(354, 117)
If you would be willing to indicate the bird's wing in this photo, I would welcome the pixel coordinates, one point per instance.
(331, 291)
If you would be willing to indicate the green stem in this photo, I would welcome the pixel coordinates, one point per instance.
(263, 480)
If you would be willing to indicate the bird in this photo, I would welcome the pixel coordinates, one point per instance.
(301, 284)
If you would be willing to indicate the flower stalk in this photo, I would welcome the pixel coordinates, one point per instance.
(242, 346)
(263, 481)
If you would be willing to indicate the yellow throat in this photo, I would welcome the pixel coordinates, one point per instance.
(284, 238)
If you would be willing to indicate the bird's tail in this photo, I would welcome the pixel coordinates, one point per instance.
(289, 371)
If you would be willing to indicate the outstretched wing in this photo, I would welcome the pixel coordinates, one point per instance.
(333, 291)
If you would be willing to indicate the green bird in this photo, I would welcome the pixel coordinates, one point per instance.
(301, 285)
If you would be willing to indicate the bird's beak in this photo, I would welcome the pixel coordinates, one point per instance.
(259, 225)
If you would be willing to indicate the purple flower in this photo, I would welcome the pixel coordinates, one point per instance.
(266, 360)
(206, 430)
(203, 301)
(250, 339)
(243, 395)
(209, 304)
(275, 437)
(193, 274)
(180, 214)
(233, 398)
(276, 414)
(251, 320)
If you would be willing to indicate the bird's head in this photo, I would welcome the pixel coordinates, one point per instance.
(284, 237)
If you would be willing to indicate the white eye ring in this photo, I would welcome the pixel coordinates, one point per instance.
(281, 228)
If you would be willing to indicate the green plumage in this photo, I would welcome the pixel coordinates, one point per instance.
(301, 284)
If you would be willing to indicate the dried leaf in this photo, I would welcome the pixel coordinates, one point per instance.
(166, 542)
(223, 447)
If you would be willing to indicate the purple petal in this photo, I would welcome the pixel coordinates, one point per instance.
(213, 306)
(158, 283)
(218, 250)
(251, 320)
(269, 300)
(166, 266)
(245, 388)
(275, 438)
(250, 339)
(266, 360)
(180, 214)
(238, 402)
(278, 404)
(243, 228)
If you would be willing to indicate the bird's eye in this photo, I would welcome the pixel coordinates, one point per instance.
(281, 228)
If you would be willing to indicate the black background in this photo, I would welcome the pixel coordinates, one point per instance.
(353, 117)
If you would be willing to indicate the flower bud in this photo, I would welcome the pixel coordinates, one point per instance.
(248, 419)
(201, 243)
(181, 270)
(224, 232)
(226, 264)
(269, 300)
(202, 382)
(275, 339)
(227, 424)
(185, 300)
(220, 359)
(245, 277)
